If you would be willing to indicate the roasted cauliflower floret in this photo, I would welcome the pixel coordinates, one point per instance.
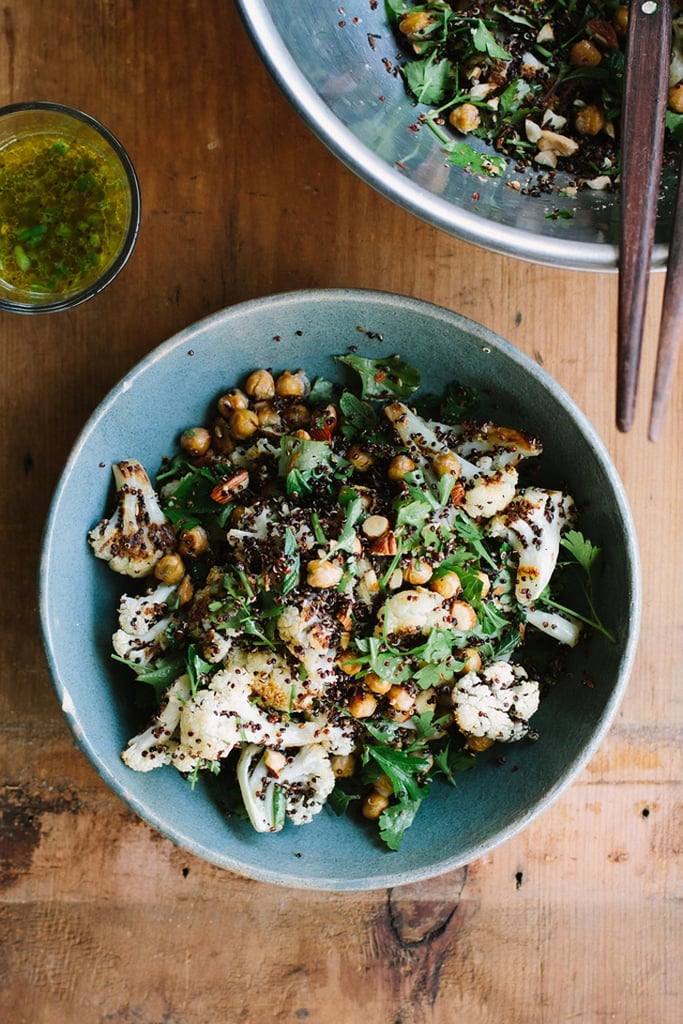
(487, 456)
(143, 622)
(157, 744)
(496, 703)
(227, 715)
(412, 611)
(137, 535)
(277, 785)
(533, 524)
(311, 638)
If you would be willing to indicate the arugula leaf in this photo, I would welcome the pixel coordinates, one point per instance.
(359, 416)
(485, 42)
(395, 819)
(197, 668)
(429, 80)
(463, 155)
(161, 673)
(383, 378)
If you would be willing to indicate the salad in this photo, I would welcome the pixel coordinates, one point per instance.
(539, 82)
(336, 589)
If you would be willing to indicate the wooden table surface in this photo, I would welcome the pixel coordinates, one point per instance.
(102, 921)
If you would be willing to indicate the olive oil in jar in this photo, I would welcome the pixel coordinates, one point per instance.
(64, 214)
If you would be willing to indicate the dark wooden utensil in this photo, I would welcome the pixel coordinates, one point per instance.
(646, 85)
(671, 326)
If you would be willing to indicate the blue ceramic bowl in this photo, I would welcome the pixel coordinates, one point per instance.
(491, 803)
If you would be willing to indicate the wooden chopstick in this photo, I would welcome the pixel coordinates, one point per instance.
(646, 86)
(671, 325)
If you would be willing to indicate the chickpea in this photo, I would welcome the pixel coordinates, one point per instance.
(269, 418)
(479, 743)
(360, 459)
(222, 442)
(465, 118)
(185, 591)
(349, 664)
(415, 23)
(464, 616)
(362, 704)
(292, 385)
(193, 542)
(400, 698)
(485, 583)
(446, 464)
(584, 54)
(231, 400)
(621, 20)
(376, 684)
(260, 385)
(322, 574)
(471, 659)
(447, 585)
(195, 441)
(169, 569)
(399, 467)
(417, 571)
(243, 423)
(375, 526)
(373, 805)
(590, 120)
(383, 785)
(297, 415)
(676, 98)
(343, 765)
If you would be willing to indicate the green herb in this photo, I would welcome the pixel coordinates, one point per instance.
(383, 378)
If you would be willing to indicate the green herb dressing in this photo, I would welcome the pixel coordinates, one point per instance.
(64, 214)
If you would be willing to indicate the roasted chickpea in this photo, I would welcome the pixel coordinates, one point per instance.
(417, 571)
(465, 118)
(590, 120)
(193, 542)
(373, 805)
(376, 684)
(446, 464)
(343, 765)
(195, 441)
(322, 574)
(479, 743)
(415, 23)
(231, 400)
(260, 385)
(676, 98)
(360, 459)
(292, 385)
(584, 54)
(362, 705)
(471, 659)
(170, 569)
(243, 423)
(399, 467)
(447, 585)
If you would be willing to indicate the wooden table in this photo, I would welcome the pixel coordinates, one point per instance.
(102, 920)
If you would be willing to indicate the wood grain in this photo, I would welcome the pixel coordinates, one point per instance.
(103, 921)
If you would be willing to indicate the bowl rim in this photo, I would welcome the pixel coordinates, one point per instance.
(405, 193)
(332, 882)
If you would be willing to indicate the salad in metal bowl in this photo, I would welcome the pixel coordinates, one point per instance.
(339, 593)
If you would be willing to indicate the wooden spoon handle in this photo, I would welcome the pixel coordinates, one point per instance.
(646, 80)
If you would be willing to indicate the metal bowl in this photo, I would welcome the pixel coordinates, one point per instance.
(336, 65)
